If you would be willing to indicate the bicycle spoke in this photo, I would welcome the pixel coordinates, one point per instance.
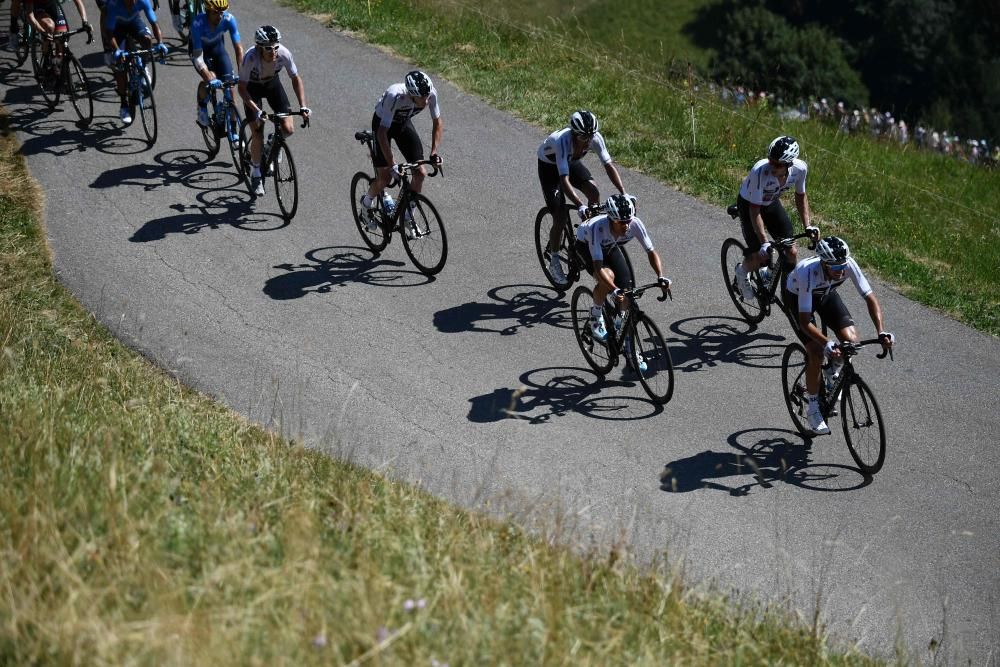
(651, 360)
(424, 238)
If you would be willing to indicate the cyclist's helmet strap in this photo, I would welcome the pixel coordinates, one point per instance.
(267, 35)
(620, 207)
(583, 122)
(418, 84)
(784, 149)
(832, 250)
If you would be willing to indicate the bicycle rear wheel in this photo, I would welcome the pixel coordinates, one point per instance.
(78, 89)
(598, 355)
(544, 223)
(864, 429)
(424, 238)
(286, 183)
(145, 107)
(793, 386)
(376, 238)
(658, 378)
(733, 253)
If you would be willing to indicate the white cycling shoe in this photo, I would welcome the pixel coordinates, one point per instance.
(816, 421)
(743, 281)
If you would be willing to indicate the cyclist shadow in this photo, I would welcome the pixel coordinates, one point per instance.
(336, 267)
(705, 342)
(215, 209)
(557, 391)
(524, 307)
(184, 166)
(772, 458)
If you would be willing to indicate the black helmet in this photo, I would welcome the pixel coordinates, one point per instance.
(833, 250)
(267, 35)
(583, 122)
(783, 150)
(620, 207)
(418, 84)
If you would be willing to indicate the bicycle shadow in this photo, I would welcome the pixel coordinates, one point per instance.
(707, 341)
(183, 166)
(772, 458)
(557, 391)
(527, 307)
(224, 207)
(337, 267)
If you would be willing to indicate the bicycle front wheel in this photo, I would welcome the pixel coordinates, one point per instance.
(209, 136)
(864, 429)
(374, 236)
(245, 166)
(231, 123)
(733, 254)
(146, 107)
(793, 386)
(78, 89)
(651, 353)
(544, 222)
(286, 185)
(598, 355)
(424, 238)
(47, 83)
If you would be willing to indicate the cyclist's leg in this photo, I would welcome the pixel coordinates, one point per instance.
(257, 92)
(381, 162)
(409, 144)
(751, 261)
(615, 259)
(581, 179)
(779, 226)
(555, 201)
(278, 100)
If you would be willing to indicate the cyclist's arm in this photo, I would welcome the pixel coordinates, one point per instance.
(614, 176)
(200, 66)
(568, 190)
(874, 311)
(80, 8)
(437, 131)
(157, 35)
(247, 100)
(655, 262)
(238, 50)
(300, 90)
(802, 204)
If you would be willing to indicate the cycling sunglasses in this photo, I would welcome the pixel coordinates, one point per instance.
(836, 267)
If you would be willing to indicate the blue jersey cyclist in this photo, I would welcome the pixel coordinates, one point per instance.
(598, 243)
(811, 288)
(123, 21)
(208, 50)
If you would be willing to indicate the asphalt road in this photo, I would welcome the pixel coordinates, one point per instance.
(472, 384)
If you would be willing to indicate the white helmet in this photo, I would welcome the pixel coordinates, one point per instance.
(783, 149)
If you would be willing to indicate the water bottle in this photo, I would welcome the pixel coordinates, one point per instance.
(619, 323)
(267, 144)
(388, 204)
(765, 277)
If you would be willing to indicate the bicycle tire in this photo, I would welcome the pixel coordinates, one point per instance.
(286, 183)
(859, 411)
(599, 355)
(793, 387)
(145, 107)
(544, 222)
(377, 239)
(78, 89)
(733, 252)
(428, 249)
(246, 166)
(46, 84)
(232, 125)
(24, 43)
(208, 134)
(658, 378)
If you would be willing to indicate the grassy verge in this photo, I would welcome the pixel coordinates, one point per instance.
(923, 222)
(141, 523)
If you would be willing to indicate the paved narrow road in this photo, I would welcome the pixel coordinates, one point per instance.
(472, 383)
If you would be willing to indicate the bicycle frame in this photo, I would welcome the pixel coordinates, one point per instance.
(630, 315)
(828, 397)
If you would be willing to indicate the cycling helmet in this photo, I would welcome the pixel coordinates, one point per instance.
(583, 122)
(783, 150)
(620, 207)
(418, 84)
(220, 5)
(833, 250)
(266, 35)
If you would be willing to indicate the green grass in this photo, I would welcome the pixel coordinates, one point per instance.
(141, 523)
(928, 224)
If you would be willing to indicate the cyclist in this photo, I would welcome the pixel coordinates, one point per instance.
(759, 205)
(14, 38)
(560, 170)
(258, 81)
(391, 121)
(208, 50)
(175, 15)
(47, 18)
(123, 21)
(598, 243)
(812, 289)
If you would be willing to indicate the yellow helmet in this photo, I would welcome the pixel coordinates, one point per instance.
(221, 5)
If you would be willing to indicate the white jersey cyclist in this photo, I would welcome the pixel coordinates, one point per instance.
(256, 70)
(596, 233)
(396, 106)
(557, 149)
(762, 186)
(808, 282)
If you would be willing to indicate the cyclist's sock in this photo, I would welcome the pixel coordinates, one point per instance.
(255, 170)
(366, 201)
(595, 310)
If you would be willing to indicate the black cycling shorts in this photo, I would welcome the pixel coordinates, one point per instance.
(614, 258)
(829, 306)
(548, 176)
(406, 138)
(273, 92)
(48, 9)
(776, 222)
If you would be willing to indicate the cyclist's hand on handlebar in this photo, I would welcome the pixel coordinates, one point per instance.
(764, 248)
(887, 339)
(582, 212)
(119, 55)
(161, 50)
(832, 350)
(632, 198)
(665, 284)
(813, 232)
(90, 31)
(215, 84)
(435, 158)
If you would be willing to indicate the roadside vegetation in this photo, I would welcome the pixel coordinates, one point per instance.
(141, 523)
(928, 224)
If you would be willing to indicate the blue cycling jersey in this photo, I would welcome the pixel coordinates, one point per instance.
(204, 36)
(119, 14)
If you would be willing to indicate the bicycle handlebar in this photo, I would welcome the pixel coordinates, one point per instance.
(850, 349)
(275, 117)
(69, 33)
(637, 292)
(412, 166)
(790, 241)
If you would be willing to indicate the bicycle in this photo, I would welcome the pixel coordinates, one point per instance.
(275, 160)
(26, 37)
(632, 335)
(862, 422)
(766, 280)
(224, 121)
(424, 238)
(139, 90)
(60, 72)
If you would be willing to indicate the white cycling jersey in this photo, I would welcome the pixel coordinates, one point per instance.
(762, 187)
(596, 233)
(255, 70)
(557, 149)
(396, 106)
(808, 281)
